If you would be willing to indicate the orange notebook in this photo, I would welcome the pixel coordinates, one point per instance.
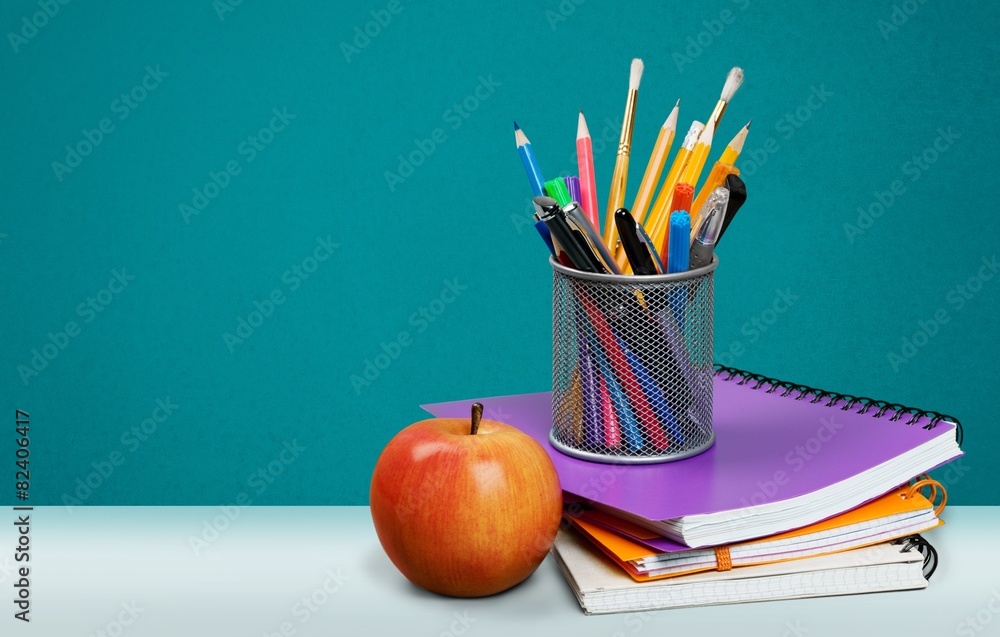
(905, 511)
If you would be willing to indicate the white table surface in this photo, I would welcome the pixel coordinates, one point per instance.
(133, 571)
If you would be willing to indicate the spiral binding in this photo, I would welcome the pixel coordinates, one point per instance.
(924, 548)
(925, 481)
(832, 398)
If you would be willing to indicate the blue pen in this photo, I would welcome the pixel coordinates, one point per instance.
(679, 250)
(626, 420)
(678, 260)
(530, 162)
(655, 396)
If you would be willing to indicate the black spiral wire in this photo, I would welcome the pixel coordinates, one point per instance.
(815, 395)
(924, 548)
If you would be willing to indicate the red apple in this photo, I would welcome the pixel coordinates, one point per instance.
(465, 507)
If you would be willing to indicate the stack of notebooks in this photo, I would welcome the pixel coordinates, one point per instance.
(805, 493)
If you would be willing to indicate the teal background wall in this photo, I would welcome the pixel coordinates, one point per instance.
(275, 418)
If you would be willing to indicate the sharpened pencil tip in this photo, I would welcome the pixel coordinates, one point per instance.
(581, 127)
(516, 127)
(671, 122)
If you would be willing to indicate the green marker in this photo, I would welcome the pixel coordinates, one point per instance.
(556, 188)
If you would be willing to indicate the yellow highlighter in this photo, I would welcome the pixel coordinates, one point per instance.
(658, 219)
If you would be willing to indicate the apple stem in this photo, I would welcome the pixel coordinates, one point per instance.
(477, 415)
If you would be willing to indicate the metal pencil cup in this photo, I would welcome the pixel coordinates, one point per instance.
(632, 365)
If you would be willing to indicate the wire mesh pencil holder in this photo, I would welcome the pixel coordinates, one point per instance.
(632, 365)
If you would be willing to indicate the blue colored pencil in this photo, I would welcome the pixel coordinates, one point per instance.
(530, 162)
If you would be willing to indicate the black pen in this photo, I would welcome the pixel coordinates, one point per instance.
(635, 249)
(737, 197)
(555, 220)
(594, 243)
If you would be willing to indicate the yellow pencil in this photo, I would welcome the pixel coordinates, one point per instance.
(616, 198)
(658, 218)
(692, 172)
(735, 147)
(716, 177)
(657, 161)
(722, 169)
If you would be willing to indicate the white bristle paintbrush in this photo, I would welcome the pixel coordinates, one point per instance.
(733, 83)
(616, 198)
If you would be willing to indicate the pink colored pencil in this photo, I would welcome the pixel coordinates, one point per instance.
(618, 361)
(585, 161)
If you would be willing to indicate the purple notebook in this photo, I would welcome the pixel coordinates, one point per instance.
(770, 446)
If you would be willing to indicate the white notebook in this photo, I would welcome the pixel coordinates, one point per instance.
(602, 587)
